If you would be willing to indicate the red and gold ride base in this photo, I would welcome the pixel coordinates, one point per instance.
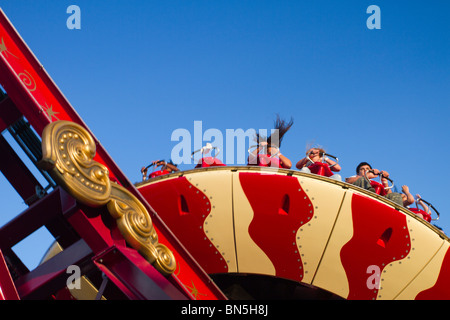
(301, 228)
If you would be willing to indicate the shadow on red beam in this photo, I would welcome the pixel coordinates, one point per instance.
(135, 277)
(52, 275)
(124, 266)
(7, 288)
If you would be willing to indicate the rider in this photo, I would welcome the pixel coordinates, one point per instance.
(317, 155)
(364, 170)
(424, 206)
(169, 167)
(271, 145)
(271, 150)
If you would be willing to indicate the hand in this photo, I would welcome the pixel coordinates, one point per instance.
(262, 146)
(405, 189)
(372, 173)
(157, 163)
(314, 154)
(384, 174)
(273, 151)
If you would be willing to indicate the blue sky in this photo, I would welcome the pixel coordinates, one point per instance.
(138, 70)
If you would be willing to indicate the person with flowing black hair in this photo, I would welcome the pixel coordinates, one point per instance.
(267, 152)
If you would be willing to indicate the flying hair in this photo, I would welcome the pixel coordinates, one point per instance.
(281, 127)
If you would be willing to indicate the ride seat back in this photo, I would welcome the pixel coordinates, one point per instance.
(210, 162)
(379, 188)
(320, 168)
(424, 214)
(264, 160)
(158, 173)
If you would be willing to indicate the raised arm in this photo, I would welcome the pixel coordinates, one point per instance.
(409, 197)
(424, 206)
(285, 162)
(334, 166)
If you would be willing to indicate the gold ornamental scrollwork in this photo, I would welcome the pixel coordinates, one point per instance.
(135, 224)
(67, 154)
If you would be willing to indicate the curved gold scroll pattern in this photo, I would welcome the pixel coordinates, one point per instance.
(135, 224)
(68, 150)
(67, 153)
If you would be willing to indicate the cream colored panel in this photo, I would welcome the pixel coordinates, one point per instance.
(313, 236)
(424, 245)
(251, 259)
(218, 225)
(427, 277)
(331, 275)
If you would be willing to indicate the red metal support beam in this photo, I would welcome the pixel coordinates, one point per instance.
(8, 113)
(35, 94)
(17, 173)
(41, 102)
(7, 288)
(51, 276)
(136, 278)
(125, 267)
(36, 216)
